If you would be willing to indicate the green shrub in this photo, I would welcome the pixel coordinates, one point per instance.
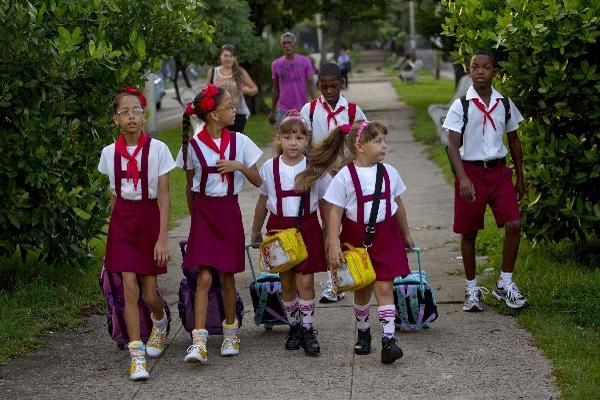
(549, 53)
(62, 61)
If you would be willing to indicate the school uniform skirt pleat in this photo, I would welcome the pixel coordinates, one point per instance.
(312, 234)
(388, 252)
(132, 234)
(216, 237)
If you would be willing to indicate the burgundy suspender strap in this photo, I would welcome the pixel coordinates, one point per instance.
(120, 174)
(351, 113)
(362, 199)
(280, 194)
(213, 169)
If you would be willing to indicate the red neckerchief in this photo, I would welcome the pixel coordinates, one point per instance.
(330, 114)
(205, 138)
(486, 114)
(132, 167)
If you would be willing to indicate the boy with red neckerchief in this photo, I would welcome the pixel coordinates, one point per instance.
(478, 156)
(217, 163)
(136, 244)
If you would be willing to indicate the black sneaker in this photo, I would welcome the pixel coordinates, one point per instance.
(390, 351)
(293, 337)
(363, 343)
(309, 343)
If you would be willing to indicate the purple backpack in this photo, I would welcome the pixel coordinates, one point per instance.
(112, 287)
(215, 313)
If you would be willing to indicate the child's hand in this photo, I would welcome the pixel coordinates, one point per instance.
(256, 239)
(227, 166)
(161, 253)
(467, 190)
(410, 243)
(334, 256)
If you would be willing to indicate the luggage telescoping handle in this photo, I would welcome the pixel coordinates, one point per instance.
(248, 247)
(417, 251)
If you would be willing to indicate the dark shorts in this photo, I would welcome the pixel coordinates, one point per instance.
(493, 186)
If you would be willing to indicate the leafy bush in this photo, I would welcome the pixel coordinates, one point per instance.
(62, 61)
(549, 53)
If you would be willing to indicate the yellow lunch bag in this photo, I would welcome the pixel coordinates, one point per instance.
(282, 250)
(356, 272)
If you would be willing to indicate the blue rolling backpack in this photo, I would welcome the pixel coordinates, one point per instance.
(416, 306)
(265, 292)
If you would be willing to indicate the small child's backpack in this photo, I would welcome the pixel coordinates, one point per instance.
(415, 300)
(215, 313)
(111, 284)
(265, 292)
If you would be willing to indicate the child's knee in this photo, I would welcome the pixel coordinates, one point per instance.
(469, 237)
(513, 226)
(131, 290)
(204, 280)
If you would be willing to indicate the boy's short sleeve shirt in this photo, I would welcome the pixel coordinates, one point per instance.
(160, 162)
(292, 75)
(481, 141)
(320, 127)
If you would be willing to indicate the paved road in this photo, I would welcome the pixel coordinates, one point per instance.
(463, 356)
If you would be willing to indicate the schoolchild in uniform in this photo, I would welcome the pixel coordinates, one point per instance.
(483, 178)
(136, 245)
(350, 197)
(328, 111)
(217, 162)
(278, 198)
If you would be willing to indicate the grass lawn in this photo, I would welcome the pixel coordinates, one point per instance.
(561, 281)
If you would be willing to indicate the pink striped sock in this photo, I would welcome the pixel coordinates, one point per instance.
(361, 313)
(387, 315)
(307, 310)
(292, 311)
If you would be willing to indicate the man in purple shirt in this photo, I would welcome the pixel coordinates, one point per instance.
(292, 74)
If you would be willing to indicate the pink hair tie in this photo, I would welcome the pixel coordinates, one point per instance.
(360, 130)
(345, 128)
(294, 117)
(189, 108)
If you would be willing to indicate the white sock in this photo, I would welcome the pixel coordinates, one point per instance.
(292, 310)
(137, 348)
(505, 279)
(307, 310)
(361, 313)
(199, 336)
(471, 284)
(387, 315)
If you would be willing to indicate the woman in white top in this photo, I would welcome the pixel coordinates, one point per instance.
(235, 80)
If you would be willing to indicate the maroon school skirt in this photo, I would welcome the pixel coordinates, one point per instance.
(132, 234)
(312, 234)
(217, 234)
(388, 253)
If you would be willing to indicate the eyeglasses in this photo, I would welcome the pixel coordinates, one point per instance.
(126, 112)
(229, 107)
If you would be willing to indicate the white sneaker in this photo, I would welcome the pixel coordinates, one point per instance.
(156, 342)
(510, 295)
(328, 296)
(230, 346)
(137, 369)
(196, 353)
(473, 298)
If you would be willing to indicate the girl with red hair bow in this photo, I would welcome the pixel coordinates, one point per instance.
(217, 163)
(136, 246)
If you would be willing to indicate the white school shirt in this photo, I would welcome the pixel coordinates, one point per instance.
(481, 141)
(246, 152)
(160, 162)
(287, 174)
(342, 194)
(320, 128)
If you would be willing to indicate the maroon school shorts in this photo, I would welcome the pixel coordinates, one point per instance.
(493, 186)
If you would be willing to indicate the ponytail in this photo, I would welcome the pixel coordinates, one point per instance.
(323, 157)
(186, 126)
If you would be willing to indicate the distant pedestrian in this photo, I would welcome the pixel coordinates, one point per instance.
(350, 198)
(292, 76)
(345, 63)
(236, 80)
(137, 243)
(478, 156)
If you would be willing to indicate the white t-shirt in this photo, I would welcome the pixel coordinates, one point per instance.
(481, 141)
(287, 176)
(342, 194)
(247, 153)
(160, 162)
(320, 129)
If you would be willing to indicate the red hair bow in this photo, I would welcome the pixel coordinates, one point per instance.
(136, 92)
(210, 90)
(189, 108)
(208, 103)
(346, 128)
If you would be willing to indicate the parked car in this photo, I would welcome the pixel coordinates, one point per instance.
(159, 88)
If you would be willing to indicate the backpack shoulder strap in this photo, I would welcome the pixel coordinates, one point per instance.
(212, 75)
(465, 108)
(351, 113)
(507, 115)
(313, 105)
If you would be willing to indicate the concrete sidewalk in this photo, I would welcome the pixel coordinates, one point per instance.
(463, 356)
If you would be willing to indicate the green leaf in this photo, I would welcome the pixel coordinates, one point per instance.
(84, 215)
